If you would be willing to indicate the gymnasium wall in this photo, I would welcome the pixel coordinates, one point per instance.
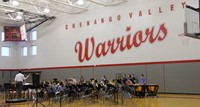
(162, 61)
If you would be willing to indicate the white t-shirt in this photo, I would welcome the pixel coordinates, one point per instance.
(19, 77)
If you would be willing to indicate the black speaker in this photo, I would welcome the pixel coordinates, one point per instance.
(36, 79)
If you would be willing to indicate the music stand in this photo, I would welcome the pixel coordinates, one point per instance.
(7, 87)
(36, 99)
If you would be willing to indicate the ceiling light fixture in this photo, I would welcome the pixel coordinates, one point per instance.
(80, 2)
(19, 15)
(46, 10)
(15, 3)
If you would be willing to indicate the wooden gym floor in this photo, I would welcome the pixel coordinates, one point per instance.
(163, 100)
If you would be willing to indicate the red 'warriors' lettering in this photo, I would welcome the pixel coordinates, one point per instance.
(119, 44)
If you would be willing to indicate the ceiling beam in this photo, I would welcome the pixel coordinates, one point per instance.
(7, 18)
(35, 6)
(93, 1)
(16, 9)
(31, 4)
(103, 4)
(125, 0)
(70, 5)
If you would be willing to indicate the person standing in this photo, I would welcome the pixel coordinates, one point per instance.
(19, 78)
(142, 82)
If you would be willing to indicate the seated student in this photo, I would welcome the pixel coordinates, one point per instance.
(74, 80)
(60, 88)
(13, 90)
(70, 80)
(124, 79)
(103, 78)
(133, 79)
(111, 82)
(50, 92)
(129, 82)
(41, 90)
(142, 80)
(82, 80)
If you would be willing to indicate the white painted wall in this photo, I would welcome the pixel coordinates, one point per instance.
(56, 45)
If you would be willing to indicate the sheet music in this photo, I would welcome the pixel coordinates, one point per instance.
(28, 83)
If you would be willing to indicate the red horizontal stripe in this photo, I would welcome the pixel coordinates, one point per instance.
(106, 65)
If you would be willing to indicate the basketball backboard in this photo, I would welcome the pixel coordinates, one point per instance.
(191, 26)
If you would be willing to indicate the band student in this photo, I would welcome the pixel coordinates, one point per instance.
(19, 78)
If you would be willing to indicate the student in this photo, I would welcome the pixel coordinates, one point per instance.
(82, 80)
(103, 78)
(142, 80)
(133, 79)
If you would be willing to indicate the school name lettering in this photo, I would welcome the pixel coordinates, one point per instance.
(116, 18)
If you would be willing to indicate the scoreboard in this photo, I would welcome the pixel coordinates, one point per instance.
(14, 33)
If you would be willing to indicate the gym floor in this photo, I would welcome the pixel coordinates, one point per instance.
(163, 100)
